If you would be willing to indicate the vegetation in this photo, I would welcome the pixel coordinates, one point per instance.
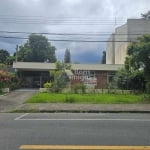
(3, 56)
(146, 15)
(136, 74)
(87, 98)
(67, 56)
(47, 85)
(104, 58)
(37, 49)
(59, 77)
(8, 80)
(4, 79)
(79, 88)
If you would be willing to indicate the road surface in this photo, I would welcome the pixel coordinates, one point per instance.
(73, 129)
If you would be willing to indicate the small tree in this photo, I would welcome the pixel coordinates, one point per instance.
(136, 74)
(3, 56)
(60, 78)
(5, 79)
(104, 57)
(67, 56)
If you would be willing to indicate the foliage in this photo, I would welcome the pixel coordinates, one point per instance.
(148, 88)
(126, 80)
(69, 99)
(8, 80)
(5, 79)
(47, 85)
(136, 73)
(60, 80)
(139, 53)
(3, 66)
(14, 84)
(87, 98)
(3, 55)
(62, 65)
(37, 49)
(79, 87)
(10, 60)
(59, 77)
(59, 65)
(104, 57)
(67, 56)
(146, 15)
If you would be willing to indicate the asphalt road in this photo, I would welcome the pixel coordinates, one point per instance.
(74, 129)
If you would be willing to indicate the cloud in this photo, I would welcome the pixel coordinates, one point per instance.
(68, 16)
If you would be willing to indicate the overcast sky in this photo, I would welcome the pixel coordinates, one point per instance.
(86, 19)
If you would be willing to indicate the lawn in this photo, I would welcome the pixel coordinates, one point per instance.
(87, 98)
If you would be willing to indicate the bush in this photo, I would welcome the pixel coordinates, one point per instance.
(5, 79)
(47, 85)
(69, 99)
(79, 87)
(148, 88)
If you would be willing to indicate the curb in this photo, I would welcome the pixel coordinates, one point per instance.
(75, 111)
(73, 147)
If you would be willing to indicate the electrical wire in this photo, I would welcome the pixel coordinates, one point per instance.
(66, 40)
(60, 20)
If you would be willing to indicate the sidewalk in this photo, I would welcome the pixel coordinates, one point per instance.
(10, 101)
(95, 108)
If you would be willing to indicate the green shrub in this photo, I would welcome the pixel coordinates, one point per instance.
(47, 85)
(69, 99)
(79, 87)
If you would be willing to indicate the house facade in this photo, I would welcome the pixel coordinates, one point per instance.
(34, 75)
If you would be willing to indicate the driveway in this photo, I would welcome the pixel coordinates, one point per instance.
(15, 98)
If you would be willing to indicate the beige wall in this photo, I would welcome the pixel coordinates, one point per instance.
(110, 51)
(117, 51)
(121, 47)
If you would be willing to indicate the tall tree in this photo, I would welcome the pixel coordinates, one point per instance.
(37, 49)
(104, 57)
(136, 74)
(67, 56)
(3, 55)
(139, 54)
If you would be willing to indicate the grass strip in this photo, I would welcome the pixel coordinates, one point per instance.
(87, 98)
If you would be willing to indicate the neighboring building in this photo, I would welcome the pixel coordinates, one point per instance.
(116, 51)
(93, 75)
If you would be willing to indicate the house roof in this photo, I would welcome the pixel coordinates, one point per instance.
(36, 66)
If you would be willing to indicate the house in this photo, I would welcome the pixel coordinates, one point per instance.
(35, 74)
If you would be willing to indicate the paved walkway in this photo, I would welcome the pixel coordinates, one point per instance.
(15, 101)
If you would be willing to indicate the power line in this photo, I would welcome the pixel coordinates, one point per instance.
(90, 34)
(60, 20)
(62, 40)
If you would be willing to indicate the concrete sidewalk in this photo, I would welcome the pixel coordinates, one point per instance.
(95, 108)
(10, 101)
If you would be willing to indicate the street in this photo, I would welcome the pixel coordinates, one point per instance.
(73, 129)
